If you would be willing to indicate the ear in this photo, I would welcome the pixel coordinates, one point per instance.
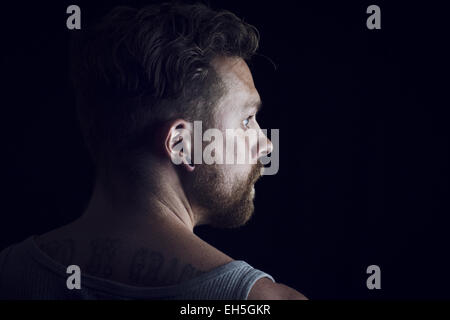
(178, 143)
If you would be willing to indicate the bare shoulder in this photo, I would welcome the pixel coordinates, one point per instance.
(266, 289)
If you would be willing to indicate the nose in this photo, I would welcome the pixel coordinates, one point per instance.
(265, 146)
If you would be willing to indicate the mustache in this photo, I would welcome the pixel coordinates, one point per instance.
(256, 172)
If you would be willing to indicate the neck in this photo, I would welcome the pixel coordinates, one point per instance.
(120, 203)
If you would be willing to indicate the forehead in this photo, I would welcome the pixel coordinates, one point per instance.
(238, 80)
(233, 70)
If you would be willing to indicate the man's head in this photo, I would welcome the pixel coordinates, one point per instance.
(227, 189)
(141, 74)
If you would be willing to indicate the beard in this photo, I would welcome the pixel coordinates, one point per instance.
(225, 202)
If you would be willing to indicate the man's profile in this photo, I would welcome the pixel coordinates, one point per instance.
(141, 78)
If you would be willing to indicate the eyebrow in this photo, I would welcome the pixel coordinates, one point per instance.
(257, 104)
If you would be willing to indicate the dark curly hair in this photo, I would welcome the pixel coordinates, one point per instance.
(138, 67)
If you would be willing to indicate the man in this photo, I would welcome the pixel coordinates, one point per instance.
(142, 78)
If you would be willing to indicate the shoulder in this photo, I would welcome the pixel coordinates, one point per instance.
(266, 289)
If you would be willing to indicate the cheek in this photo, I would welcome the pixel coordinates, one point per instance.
(239, 152)
(230, 178)
(231, 173)
(237, 173)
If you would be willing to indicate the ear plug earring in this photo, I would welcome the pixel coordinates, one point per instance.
(189, 162)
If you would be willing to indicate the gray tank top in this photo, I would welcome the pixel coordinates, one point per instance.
(28, 273)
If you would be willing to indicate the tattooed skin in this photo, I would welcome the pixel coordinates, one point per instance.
(103, 252)
(189, 272)
(146, 267)
(60, 250)
(150, 267)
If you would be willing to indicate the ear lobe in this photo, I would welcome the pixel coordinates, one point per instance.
(178, 144)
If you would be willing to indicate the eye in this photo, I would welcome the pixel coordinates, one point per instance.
(247, 121)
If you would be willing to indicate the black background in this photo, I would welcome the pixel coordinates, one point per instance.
(364, 142)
